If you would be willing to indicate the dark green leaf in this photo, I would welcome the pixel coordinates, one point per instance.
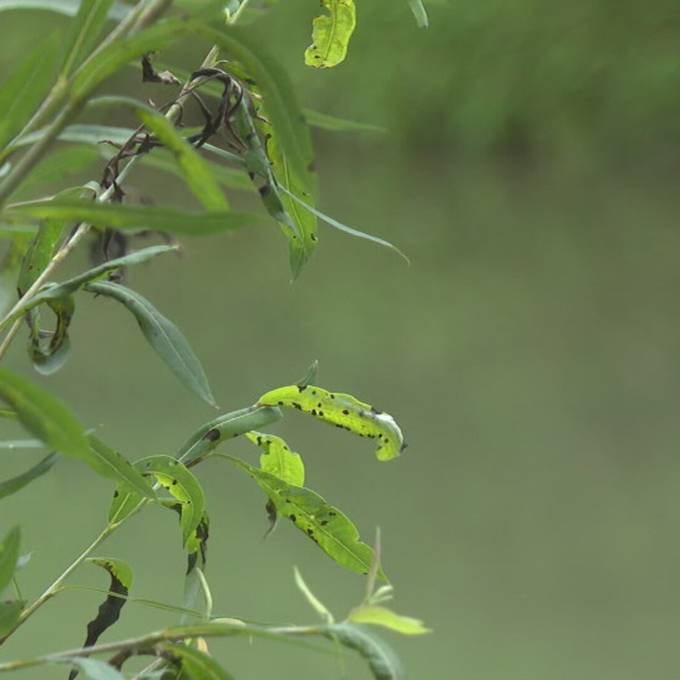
(11, 486)
(343, 411)
(45, 416)
(163, 336)
(9, 554)
(324, 524)
(380, 658)
(109, 610)
(85, 30)
(9, 616)
(121, 216)
(210, 435)
(24, 90)
(196, 664)
(274, 85)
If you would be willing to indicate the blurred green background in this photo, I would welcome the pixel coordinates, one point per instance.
(530, 171)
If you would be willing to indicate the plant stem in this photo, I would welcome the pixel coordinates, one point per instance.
(234, 17)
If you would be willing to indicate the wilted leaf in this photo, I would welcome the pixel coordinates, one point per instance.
(163, 336)
(331, 34)
(343, 411)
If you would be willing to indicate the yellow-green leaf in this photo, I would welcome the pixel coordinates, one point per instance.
(278, 459)
(343, 411)
(331, 34)
(382, 616)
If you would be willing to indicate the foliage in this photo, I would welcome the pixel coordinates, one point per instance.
(254, 133)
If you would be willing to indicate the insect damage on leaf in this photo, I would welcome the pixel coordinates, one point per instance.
(343, 411)
(109, 610)
(331, 34)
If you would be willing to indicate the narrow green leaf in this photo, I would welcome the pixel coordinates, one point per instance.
(343, 411)
(278, 459)
(331, 34)
(324, 524)
(9, 554)
(118, 11)
(7, 413)
(380, 658)
(419, 12)
(382, 616)
(325, 121)
(44, 416)
(25, 89)
(22, 444)
(168, 341)
(93, 669)
(196, 664)
(227, 426)
(9, 616)
(112, 464)
(84, 33)
(344, 228)
(11, 486)
(122, 216)
(274, 85)
(313, 600)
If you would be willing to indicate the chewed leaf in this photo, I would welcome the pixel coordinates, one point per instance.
(168, 341)
(278, 459)
(324, 524)
(11, 486)
(331, 34)
(175, 478)
(197, 543)
(382, 616)
(109, 610)
(343, 411)
(196, 664)
(227, 426)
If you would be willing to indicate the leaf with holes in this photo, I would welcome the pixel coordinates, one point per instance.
(331, 34)
(278, 459)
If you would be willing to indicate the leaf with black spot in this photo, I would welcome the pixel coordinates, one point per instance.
(109, 610)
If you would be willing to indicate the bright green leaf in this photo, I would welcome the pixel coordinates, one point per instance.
(278, 459)
(331, 34)
(382, 616)
(343, 411)
(168, 341)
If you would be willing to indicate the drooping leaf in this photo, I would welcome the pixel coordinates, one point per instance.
(196, 664)
(382, 616)
(343, 411)
(11, 486)
(118, 11)
(331, 34)
(120, 216)
(83, 34)
(112, 464)
(324, 524)
(195, 171)
(380, 658)
(25, 89)
(227, 426)
(419, 12)
(175, 478)
(94, 669)
(163, 336)
(9, 616)
(278, 459)
(9, 554)
(273, 83)
(109, 610)
(45, 416)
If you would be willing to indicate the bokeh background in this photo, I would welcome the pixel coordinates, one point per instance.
(530, 170)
